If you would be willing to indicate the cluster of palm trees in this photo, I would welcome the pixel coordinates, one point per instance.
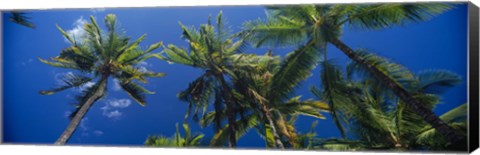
(374, 102)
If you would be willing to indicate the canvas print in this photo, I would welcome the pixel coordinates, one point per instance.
(336, 77)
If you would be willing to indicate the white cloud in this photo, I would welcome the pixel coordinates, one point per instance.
(97, 10)
(24, 63)
(98, 132)
(86, 86)
(113, 114)
(120, 103)
(143, 63)
(112, 107)
(59, 81)
(60, 76)
(85, 129)
(143, 66)
(77, 32)
(116, 85)
(67, 113)
(83, 124)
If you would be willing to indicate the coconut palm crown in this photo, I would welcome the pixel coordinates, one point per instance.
(211, 48)
(99, 56)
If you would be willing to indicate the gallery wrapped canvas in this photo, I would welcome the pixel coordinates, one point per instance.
(318, 77)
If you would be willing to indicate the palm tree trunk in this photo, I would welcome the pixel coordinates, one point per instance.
(276, 137)
(72, 126)
(230, 112)
(413, 104)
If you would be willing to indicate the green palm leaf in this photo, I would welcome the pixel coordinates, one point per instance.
(295, 68)
(379, 16)
(437, 81)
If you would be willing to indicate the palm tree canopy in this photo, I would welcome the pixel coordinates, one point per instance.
(265, 80)
(216, 52)
(291, 25)
(104, 53)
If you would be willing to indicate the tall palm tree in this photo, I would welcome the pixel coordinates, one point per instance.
(210, 49)
(20, 18)
(318, 25)
(177, 140)
(98, 57)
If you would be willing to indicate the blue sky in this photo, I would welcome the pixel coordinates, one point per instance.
(29, 117)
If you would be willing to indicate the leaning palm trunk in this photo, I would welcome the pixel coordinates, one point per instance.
(276, 137)
(414, 105)
(72, 126)
(230, 112)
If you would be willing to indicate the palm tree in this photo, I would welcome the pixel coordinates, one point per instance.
(318, 25)
(266, 85)
(177, 140)
(97, 58)
(21, 19)
(211, 49)
(374, 114)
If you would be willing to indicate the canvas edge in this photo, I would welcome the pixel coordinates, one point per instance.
(473, 75)
(1, 77)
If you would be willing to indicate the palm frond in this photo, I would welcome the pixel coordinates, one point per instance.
(396, 72)
(275, 32)
(221, 136)
(457, 114)
(64, 64)
(437, 81)
(332, 84)
(296, 67)
(160, 141)
(135, 91)
(177, 55)
(65, 34)
(309, 108)
(21, 19)
(70, 81)
(305, 13)
(198, 95)
(177, 140)
(379, 16)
